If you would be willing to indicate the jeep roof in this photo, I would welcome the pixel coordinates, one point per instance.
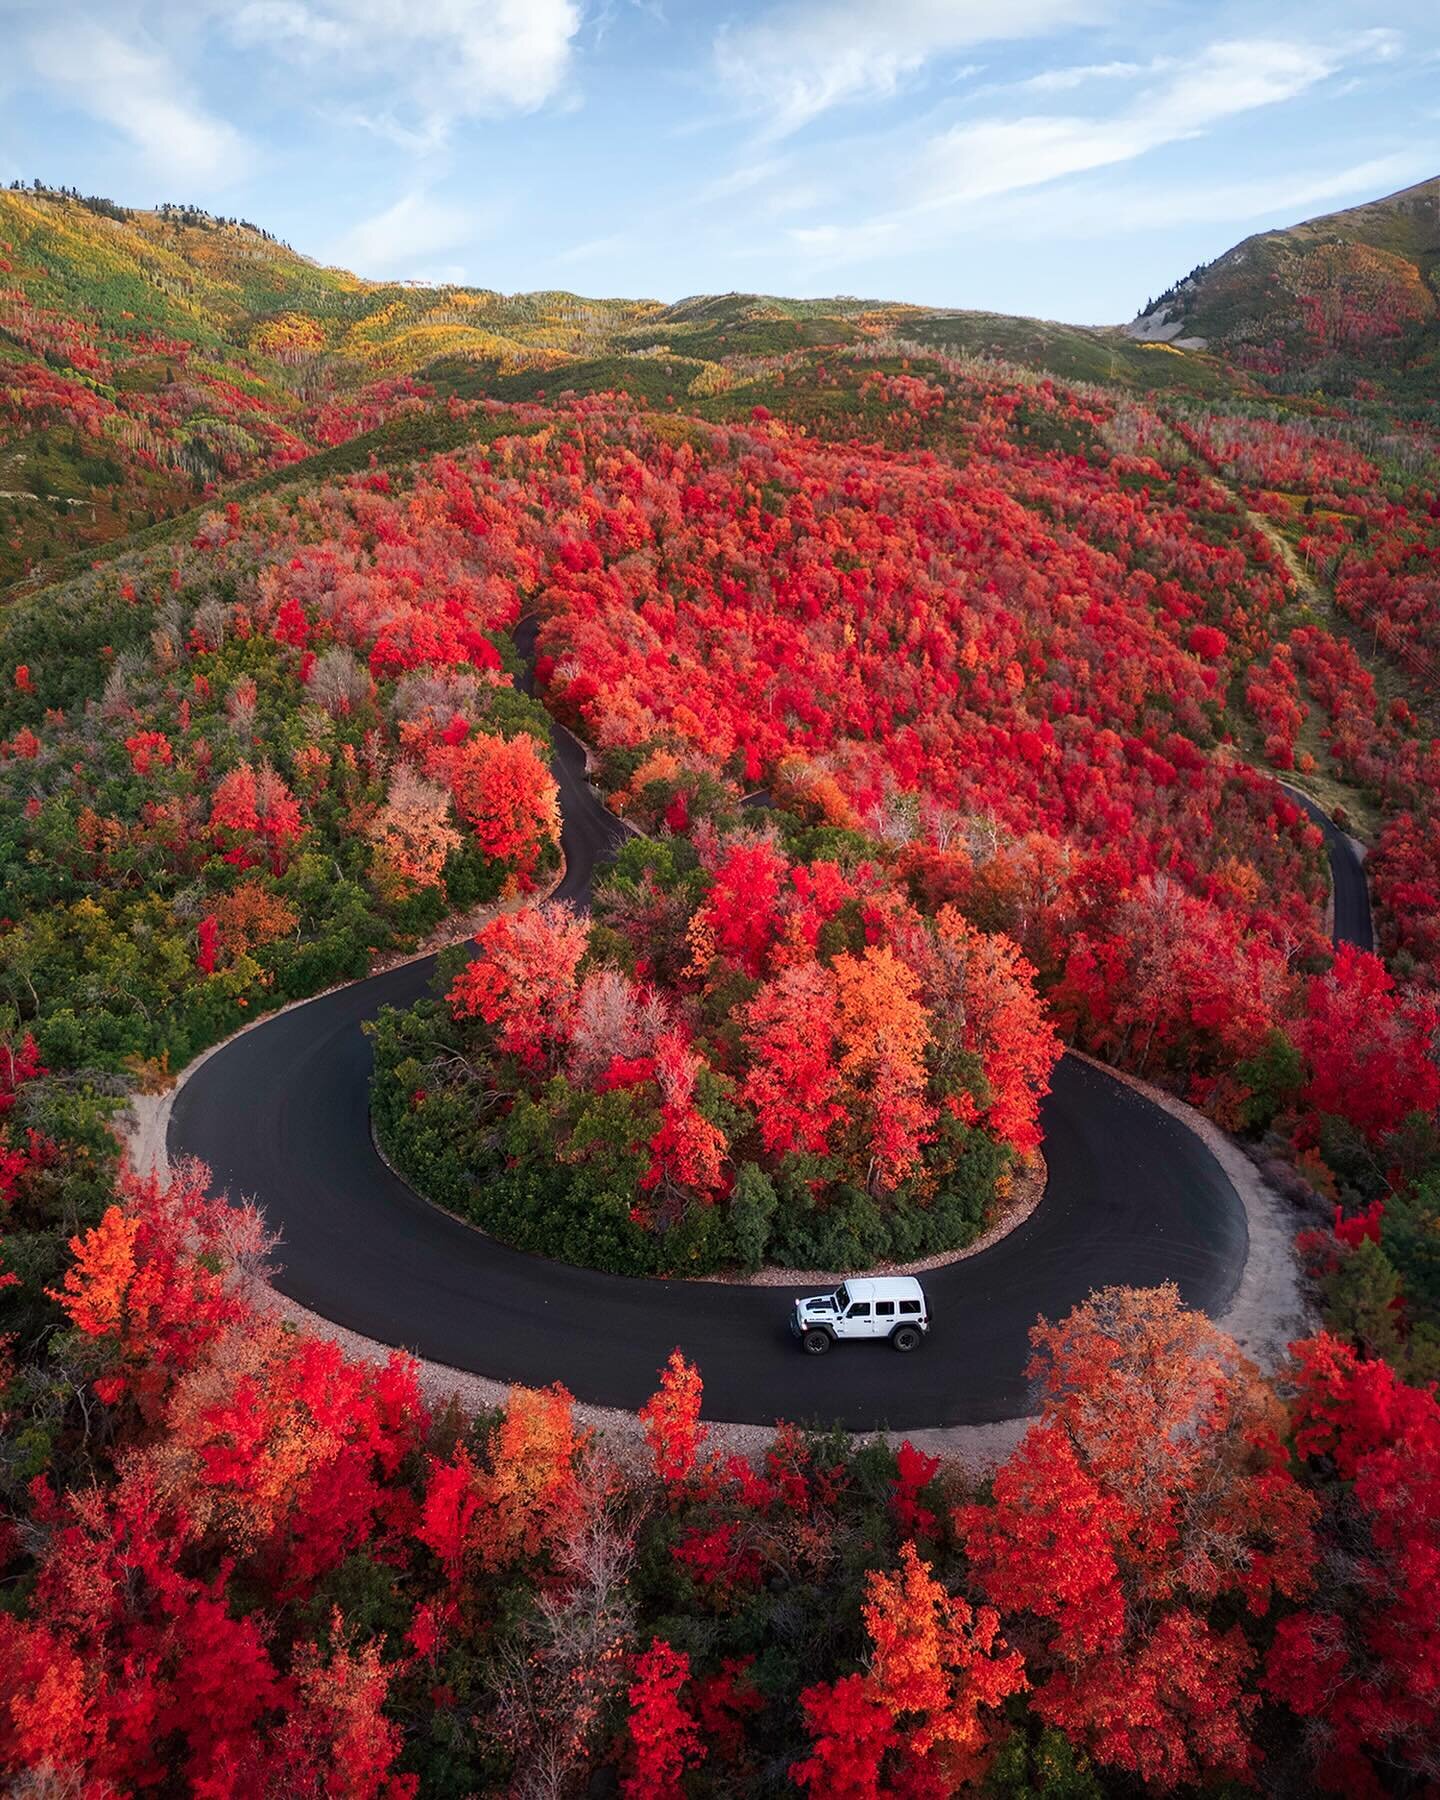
(882, 1287)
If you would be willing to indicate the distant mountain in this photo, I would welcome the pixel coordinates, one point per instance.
(151, 360)
(1349, 294)
(227, 290)
(223, 283)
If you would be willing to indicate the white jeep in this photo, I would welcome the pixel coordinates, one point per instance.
(872, 1306)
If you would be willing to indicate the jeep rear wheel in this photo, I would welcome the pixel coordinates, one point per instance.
(905, 1337)
(816, 1342)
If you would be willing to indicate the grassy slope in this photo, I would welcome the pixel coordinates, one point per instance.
(207, 337)
(392, 445)
(214, 286)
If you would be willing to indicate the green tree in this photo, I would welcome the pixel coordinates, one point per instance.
(1360, 1301)
(1410, 1234)
(1273, 1076)
(1040, 1767)
(752, 1211)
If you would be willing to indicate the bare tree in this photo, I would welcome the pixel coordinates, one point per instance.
(115, 700)
(553, 1684)
(211, 618)
(895, 817)
(436, 694)
(613, 1017)
(338, 682)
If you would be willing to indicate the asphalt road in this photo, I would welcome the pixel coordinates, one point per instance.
(281, 1114)
(1353, 924)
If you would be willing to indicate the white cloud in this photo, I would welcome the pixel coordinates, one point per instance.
(598, 249)
(394, 244)
(304, 29)
(1026, 176)
(840, 244)
(440, 60)
(742, 180)
(1059, 81)
(137, 91)
(998, 156)
(804, 57)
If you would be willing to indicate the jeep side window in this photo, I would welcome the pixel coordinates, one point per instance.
(909, 1306)
(884, 1309)
(860, 1310)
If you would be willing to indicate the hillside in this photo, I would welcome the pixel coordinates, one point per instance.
(225, 285)
(1327, 301)
(148, 359)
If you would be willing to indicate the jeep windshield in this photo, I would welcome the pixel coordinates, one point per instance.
(840, 1299)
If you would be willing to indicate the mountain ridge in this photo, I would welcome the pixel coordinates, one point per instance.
(1359, 282)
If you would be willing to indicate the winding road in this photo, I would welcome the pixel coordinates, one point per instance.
(281, 1113)
(1353, 924)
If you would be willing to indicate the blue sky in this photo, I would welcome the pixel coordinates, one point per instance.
(1059, 157)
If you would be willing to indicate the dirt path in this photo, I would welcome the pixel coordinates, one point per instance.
(1285, 550)
(1390, 658)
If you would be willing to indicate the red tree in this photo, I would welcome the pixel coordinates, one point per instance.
(926, 1708)
(504, 792)
(1362, 1664)
(664, 1739)
(253, 812)
(1154, 1486)
(793, 1081)
(983, 1004)
(523, 980)
(1368, 1046)
(157, 1279)
(851, 1735)
(671, 1418)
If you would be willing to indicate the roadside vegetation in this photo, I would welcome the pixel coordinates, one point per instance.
(751, 1057)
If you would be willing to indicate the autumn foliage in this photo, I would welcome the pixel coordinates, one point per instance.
(284, 1563)
(748, 1046)
(944, 702)
(672, 1421)
(1153, 1486)
(938, 1673)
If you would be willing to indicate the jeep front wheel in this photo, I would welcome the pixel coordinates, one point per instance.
(816, 1342)
(905, 1337)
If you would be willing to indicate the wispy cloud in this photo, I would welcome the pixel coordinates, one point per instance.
(743, 180)
(127, 84)
(435, 62)
(978, 175)
(1060, 81)
(997, 156)
(594, 249)
(399, 240)
(799, 60)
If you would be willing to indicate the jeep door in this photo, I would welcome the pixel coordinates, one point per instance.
(859, 1320)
